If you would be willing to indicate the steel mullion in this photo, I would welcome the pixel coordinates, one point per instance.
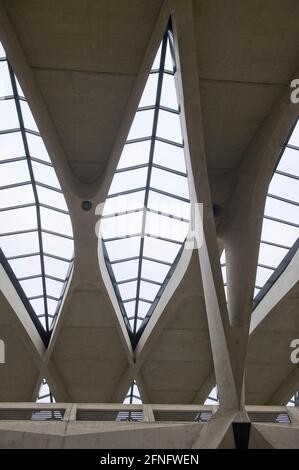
(285, 222)
(21, 206)
(12, 160)
(277, 245)
(165, 214)
(29, 255)
(265, 266)
(46, 186)
(151, 281)
(170, 240)
(57, 234)
(170, 142)
(15, 185)
(174, 196)
(52, 208)
(124, 193)
(282, 199)
(131, 168)
(28, 278)
(287, 175)
(114, 239)
(117, 214)
(18, 232)
(149, 172)
(137, 140)
(30, 169)
(170, 170)
(59, 258)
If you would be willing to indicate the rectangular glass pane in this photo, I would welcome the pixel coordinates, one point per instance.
(14, 172)
(128, 290)
(122, 225)
(126, 270)
(169, 205)
(276, 232)
(55, 221)
(8, 115)
(28, 119)
(154, 271)
(130, 308)
(15, 220)
(169, 156)
(38, 306)
(148, 291)
(16, 196)
(169, 183)
(11, 146)
(24, 267)
(143, 308)
(51, 198)
(20, 244)
(169, 126)
(54, 288)
(165, 227)
(282, 210)
(142, 125)
(271, 255)
(125, 202)
(262, 276)
(150, 91)
(289, 162)
(131, 179)
(55, 267)
(125, 248)
(134, 154)
(32, 287)
(284, 187)
(58, 246)
(45, 174)
(5, 83)
(159, 249)
(294, 139)
(169, 94)
(52, 306)
(37, 148)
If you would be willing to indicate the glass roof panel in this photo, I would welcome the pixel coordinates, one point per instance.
(170, 156)
(24, 202)
(8, 115)
(161, 195)
(11, 146)
(5, 83)
(134, 154)
(281, 218)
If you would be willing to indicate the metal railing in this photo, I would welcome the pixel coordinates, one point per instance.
(137, 413)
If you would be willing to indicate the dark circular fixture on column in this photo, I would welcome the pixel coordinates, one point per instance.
(86, 205)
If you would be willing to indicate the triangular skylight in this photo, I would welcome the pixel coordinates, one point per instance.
(281, 217)
(35, 228)
(280, 230)
(44, 394)
(146, 215)
(133, 395)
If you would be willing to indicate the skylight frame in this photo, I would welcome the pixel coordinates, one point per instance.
(28, 154)
(136, 323)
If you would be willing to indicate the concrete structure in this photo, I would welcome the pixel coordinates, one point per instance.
(83, 67)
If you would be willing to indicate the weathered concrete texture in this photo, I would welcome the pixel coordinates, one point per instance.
(94, 435)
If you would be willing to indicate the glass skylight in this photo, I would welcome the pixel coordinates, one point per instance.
(35, 228)
(133, 395)
(213, 397)
(45, 395)
(145, 219)
(280, 229)
(281, 217)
